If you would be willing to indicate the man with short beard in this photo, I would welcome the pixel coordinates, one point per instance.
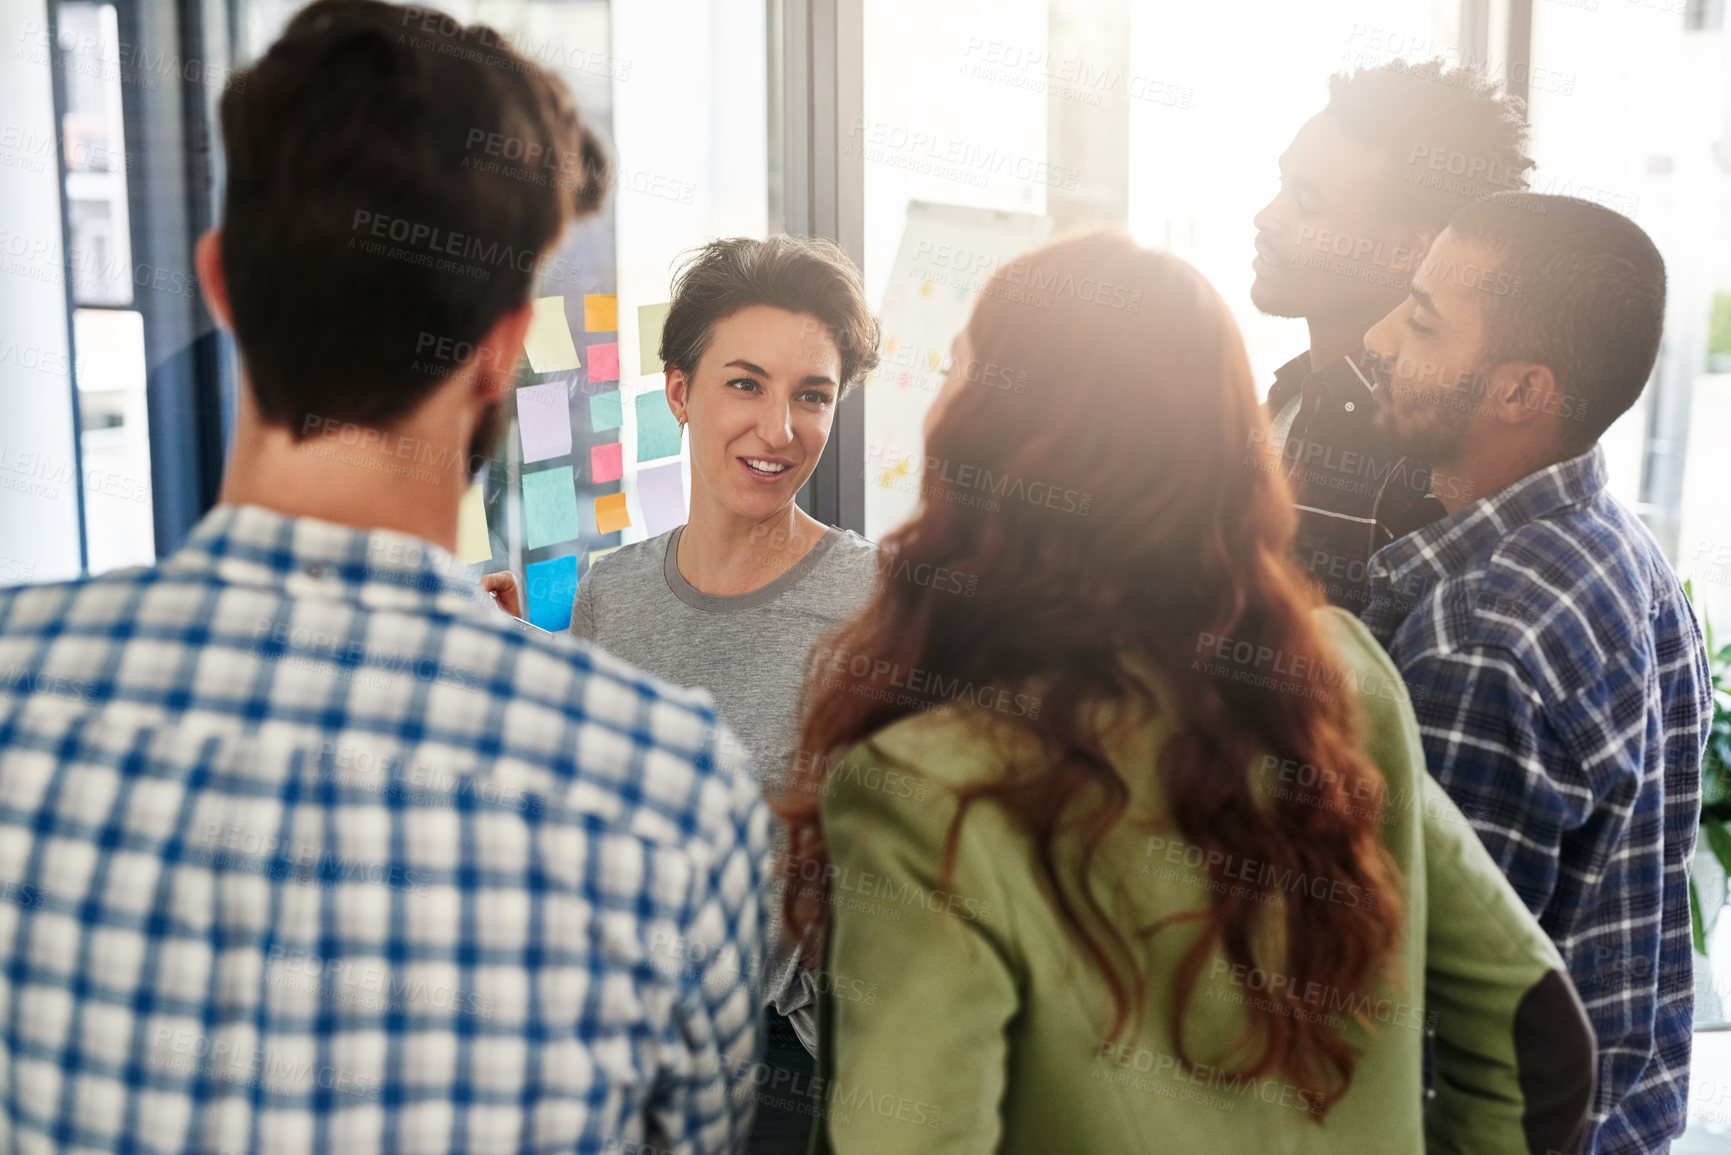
(1557, 671)
(1365, 187)
(326, 853)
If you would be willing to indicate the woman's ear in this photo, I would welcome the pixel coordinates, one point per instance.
(678, 393)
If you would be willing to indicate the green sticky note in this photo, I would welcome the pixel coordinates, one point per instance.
(650, 320)
(657, 431)
(605, 412)
(549, 507)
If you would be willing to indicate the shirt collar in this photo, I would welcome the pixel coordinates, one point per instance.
(307, 558)
(1447, 546)
(1339, 380)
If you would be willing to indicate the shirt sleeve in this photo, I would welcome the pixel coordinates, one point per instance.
(1490, 744)
(1554, 816)
(583, 610)
(922, 1067)
(1514, 1050)
(705, 1099)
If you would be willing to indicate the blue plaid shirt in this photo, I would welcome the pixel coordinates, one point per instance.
(306, 847)
(1561, 687)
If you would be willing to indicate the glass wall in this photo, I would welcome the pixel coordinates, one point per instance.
(954, 116)
(681, 97)
(1163, 118)
(40, 484)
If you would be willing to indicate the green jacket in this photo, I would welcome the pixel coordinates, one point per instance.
(959, 1017)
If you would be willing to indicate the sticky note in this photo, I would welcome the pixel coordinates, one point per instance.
(549, 507)
(548, 343)
(651, 319)
(606, 463)
(605, 411)
(552, 592)
(661, 493)
(610, 513)
(544, 420)
(601, 313)
(657, 431)
(473, 544)
(604, 362)
(596, 555)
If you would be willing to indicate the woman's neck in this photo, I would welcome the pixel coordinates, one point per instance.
(723, 555)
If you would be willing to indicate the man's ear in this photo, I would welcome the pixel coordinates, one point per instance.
(1523, 391)
(207, 260)
(678, 391)
(499, 352)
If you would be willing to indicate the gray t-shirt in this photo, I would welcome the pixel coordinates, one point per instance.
(748, 650)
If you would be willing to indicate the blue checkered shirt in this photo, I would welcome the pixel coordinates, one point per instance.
(1561, 687)
(305, 847)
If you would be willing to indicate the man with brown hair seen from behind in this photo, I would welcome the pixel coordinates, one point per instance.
(310, 848)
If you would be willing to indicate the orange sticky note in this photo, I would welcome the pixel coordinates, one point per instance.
(601, 313)
(610, 513)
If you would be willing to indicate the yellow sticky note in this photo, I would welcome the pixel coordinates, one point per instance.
(610, 513)
(473, 544)
(651, 319)
(548, 345)
(601, 313)
(596, 555)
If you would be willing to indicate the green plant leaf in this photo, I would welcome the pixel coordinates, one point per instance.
(1700, 931)
(1715, 775)
(1719, 842)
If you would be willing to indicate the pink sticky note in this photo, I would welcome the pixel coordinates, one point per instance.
(604, 362)
(607, 463)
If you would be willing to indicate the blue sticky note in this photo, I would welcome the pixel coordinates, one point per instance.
(549, 507)
(552, 590)
(605, 412)
(657, 431)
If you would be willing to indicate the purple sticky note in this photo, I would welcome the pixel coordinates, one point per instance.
(606, 463)
(661, 492)
(604, 362)
(544, 420)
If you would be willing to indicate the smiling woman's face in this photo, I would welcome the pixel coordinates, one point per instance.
(759, 407)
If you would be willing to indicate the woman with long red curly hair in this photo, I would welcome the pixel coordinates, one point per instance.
(1120, 842)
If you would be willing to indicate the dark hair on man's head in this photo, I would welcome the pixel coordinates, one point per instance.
(1591, 303)
(1448, 135)
(808, 275)
(394, 178)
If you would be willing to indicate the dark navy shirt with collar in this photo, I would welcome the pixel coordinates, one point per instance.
(1561, 686)
(1354, 492)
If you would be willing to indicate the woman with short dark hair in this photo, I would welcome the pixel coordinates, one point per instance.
(761, 341)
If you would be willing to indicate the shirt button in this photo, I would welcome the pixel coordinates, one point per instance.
(1350, 407)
